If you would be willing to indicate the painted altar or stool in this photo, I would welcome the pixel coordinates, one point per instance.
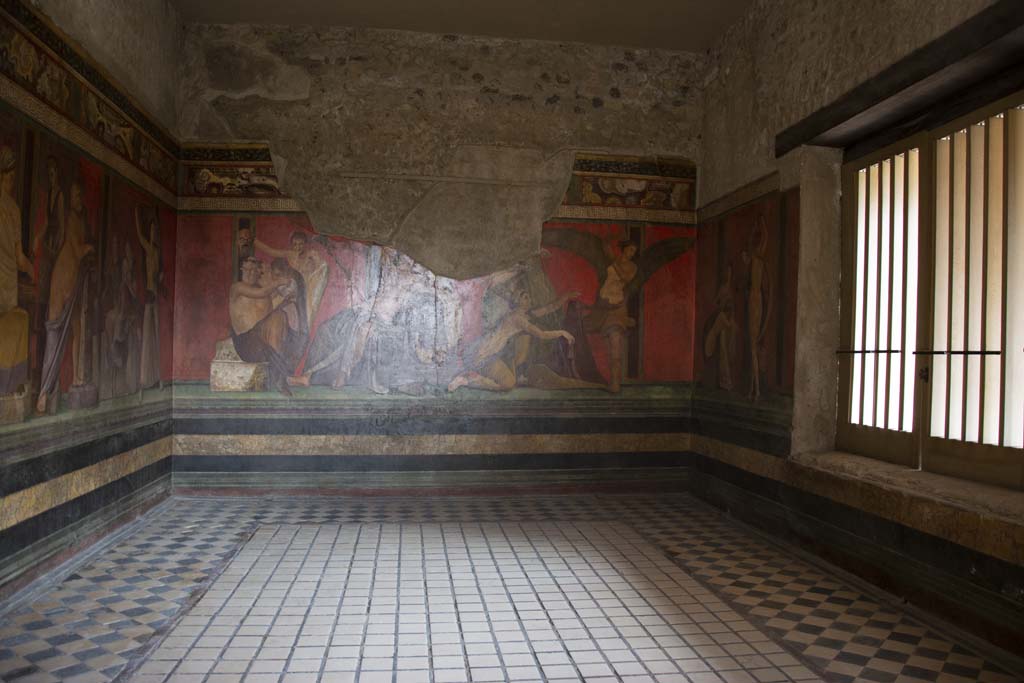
(228, 372)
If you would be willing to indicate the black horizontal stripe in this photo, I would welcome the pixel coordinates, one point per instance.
(978, 591)
(25, 473)
(427, 463)
(36, 528)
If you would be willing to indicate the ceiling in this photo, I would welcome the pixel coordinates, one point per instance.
(691, 25)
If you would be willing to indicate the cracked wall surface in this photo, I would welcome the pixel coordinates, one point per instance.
(785, 59)
(138, 42)
(452, 149)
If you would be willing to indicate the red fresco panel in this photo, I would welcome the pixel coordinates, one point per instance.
(168, 244)
(724, 247)
(569, 272)
(201, 294)
(668, 312)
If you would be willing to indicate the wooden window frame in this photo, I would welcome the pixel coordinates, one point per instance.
(998, 465)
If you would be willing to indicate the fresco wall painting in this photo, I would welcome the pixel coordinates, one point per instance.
(271, 307)
(746, 315)
(128, 261)
(289, 309)
(625, 293)
(85, 260)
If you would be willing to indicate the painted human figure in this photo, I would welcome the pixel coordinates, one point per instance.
(149, 366)
(302, 257)
(263, 332)
(64, 309)
(121, 327)
(399, 279)
(489, 361)
(50, 239)
(759, 302)
(244, 244)
(609, 315)
(718, 341)
(13, 320)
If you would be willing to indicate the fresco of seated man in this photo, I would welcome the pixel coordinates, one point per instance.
(265, 332)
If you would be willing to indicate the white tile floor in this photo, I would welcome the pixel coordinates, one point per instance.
(99, 619)
(459, 602)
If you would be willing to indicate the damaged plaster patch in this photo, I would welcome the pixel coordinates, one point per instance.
(452, 150)
(239, 70)
(508, 190)
(232, 63)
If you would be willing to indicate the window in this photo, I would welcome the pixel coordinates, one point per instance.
(932, 364)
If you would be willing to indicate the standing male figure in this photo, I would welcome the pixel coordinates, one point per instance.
(150, 365)
(13, 320)
(63, 312)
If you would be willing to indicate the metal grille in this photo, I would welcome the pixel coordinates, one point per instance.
(885, 293)
(977, 392)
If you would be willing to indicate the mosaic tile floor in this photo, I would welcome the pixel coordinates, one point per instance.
(567, 588)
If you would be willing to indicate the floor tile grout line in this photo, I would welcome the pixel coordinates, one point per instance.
(426, 592)
(611, 620)
(369, 598)
(611, 665)
(241, 582)
(571, 509)
(982, 650)
(398, 602)
(277, 530)
(338, 612)
(310, 618)
(455, 601)
(533, 587)
(462, 632)
(53, 578)
(759, 622)
(508, 596)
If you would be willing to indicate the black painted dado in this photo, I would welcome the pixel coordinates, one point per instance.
(721, 428)
(36, 528)
(29, 472)
(428, 463)
(980, 592)
(748, 426)
(985, 570)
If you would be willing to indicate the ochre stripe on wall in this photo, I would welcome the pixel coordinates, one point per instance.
(35, 500)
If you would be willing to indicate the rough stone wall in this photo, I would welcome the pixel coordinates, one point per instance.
(786, 59)
(452, 149)
(819, 265)
(138, 42)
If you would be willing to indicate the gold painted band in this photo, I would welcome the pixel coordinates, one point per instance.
(35, 500)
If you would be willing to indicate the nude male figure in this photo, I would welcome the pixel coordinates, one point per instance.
(487, 369)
